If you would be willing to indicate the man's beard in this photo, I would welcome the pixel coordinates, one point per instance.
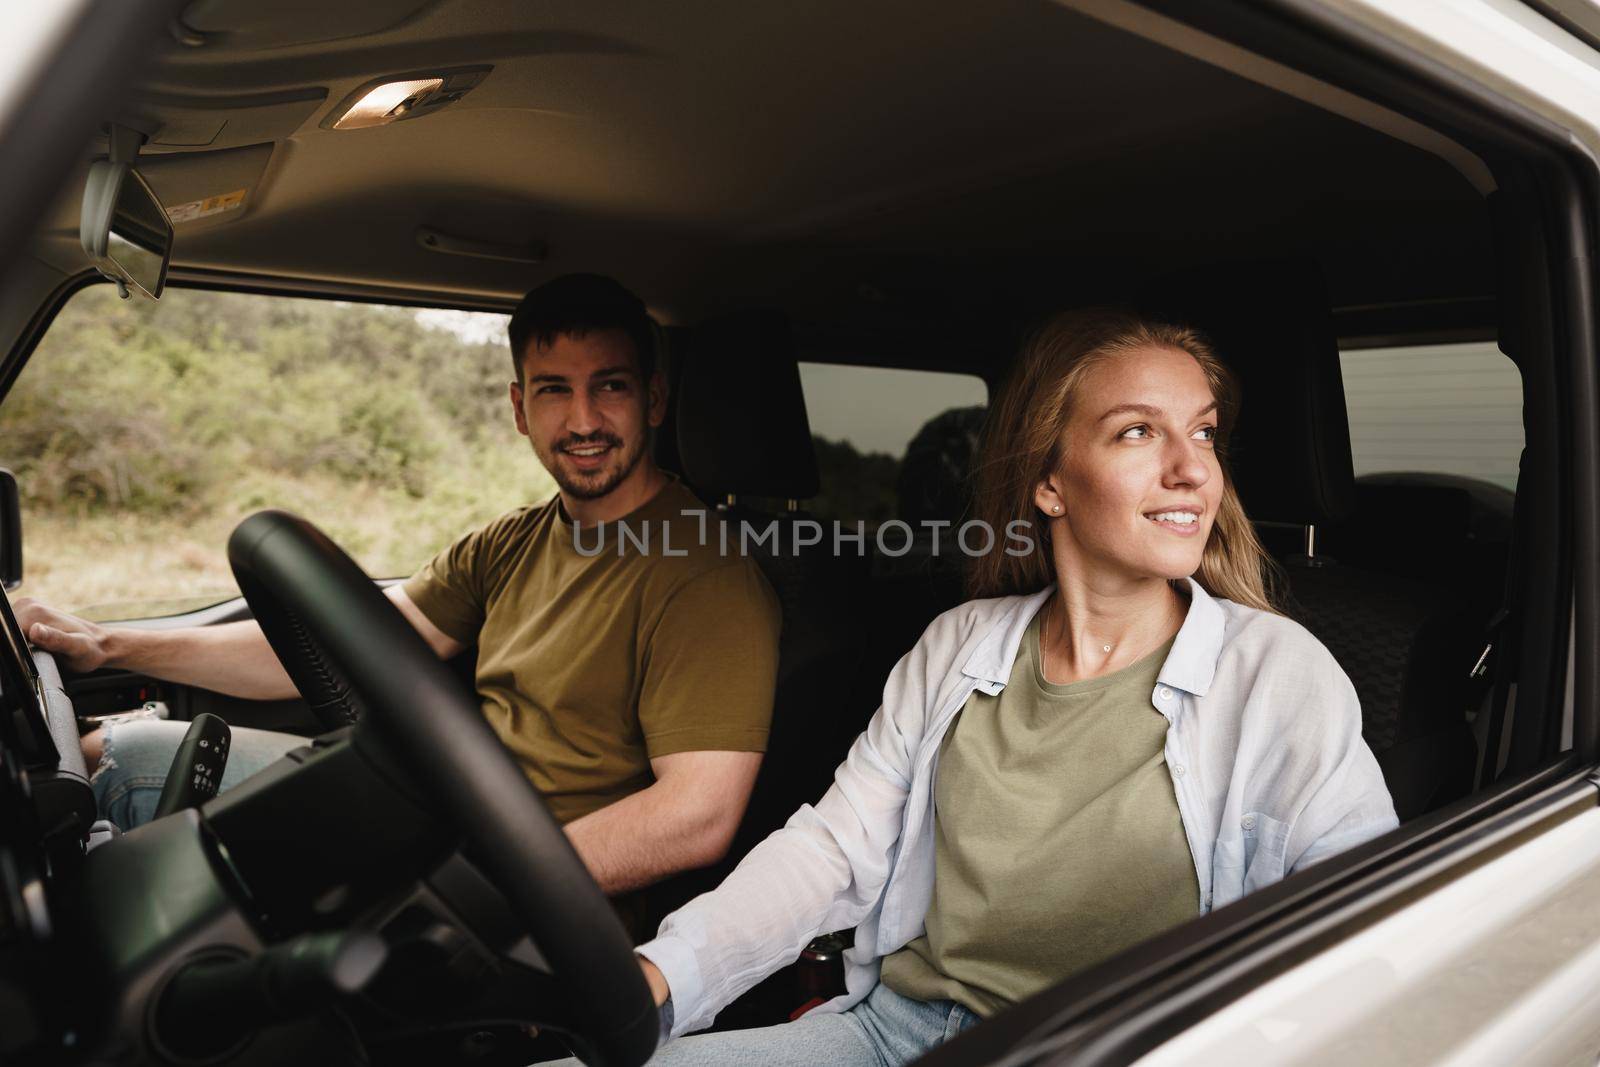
(592, 485)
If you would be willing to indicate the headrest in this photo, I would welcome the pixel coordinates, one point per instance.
(741, 416)
(935, 480)
(1271, 323)
(1427, 526)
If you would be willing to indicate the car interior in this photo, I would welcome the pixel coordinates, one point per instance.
(884, 185)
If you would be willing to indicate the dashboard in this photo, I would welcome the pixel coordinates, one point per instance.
(43, 739)
(92, 938)
(22, 693)
(28, 746)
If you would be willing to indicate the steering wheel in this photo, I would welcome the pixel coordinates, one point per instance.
(345, 645)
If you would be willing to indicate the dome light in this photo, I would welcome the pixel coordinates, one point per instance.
(383, 104)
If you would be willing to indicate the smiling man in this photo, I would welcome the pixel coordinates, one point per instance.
(634, 687)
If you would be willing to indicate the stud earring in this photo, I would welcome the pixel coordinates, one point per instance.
(1055, 509)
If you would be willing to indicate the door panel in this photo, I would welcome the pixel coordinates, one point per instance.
(1500, 966)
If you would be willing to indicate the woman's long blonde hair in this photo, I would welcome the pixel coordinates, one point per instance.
(1022, 441)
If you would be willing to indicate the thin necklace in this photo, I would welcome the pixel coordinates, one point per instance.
(1047, 620)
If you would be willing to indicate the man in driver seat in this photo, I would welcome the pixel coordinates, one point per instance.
(634, 686)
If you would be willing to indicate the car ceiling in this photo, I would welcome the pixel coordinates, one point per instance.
(878, 169)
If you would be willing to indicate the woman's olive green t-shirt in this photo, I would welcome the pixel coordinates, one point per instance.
(1058, 841)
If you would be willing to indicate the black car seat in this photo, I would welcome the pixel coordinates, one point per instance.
(744, 447)
(1407, 643)
(1449, 531)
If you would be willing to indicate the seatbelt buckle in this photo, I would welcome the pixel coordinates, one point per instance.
(1480, 668)
(1492, 630)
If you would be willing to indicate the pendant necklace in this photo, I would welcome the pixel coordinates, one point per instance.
(1048, 607)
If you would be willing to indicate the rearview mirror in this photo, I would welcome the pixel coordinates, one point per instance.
(124, 228)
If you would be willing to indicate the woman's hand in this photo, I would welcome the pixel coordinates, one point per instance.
(658, 981)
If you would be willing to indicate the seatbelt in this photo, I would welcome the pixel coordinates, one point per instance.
(1495, 667)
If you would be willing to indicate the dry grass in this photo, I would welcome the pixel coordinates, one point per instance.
(142, 433)
(116, 567)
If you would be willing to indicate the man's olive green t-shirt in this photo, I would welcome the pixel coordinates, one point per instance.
(600, 653)
(1058, 841)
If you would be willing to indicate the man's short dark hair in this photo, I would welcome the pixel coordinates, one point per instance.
(577, 304)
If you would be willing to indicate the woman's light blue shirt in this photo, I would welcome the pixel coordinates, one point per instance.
(1263, 744)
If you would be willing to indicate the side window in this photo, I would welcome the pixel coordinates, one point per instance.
(891, 444)
(142, 432)
(1439, 409)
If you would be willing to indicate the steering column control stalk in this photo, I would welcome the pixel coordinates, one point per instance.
(213, 1005)
(196, 771)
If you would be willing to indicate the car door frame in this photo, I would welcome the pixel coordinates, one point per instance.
(1120, 1011)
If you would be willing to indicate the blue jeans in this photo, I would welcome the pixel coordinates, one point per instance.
(884, 1030)
(138, 753)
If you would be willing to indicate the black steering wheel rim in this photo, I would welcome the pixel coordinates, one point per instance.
(341, 639)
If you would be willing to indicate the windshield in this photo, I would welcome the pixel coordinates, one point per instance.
(141, 432)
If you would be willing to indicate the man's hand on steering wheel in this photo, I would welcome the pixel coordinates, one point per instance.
(81, 645)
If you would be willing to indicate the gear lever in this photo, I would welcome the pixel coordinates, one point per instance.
(196, 771)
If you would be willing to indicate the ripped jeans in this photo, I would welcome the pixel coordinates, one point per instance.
(138, 753)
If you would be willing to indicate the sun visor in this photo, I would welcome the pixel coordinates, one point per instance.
(190, 124)
(201, 190)
(249, 25)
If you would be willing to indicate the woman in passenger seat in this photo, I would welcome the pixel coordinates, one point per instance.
(1119, 733)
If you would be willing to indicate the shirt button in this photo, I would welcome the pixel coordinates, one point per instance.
(1177, 770)
(1166, 694)
(1248, 822)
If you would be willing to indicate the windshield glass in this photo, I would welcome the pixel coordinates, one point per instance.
(141, 432)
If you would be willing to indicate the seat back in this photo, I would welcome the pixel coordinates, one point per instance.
(744, 445)
(1406, 643)
(904, 593)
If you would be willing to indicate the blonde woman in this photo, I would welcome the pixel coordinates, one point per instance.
(1119, 733)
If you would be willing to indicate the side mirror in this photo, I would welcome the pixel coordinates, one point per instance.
(10, 531)
(124, 228)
